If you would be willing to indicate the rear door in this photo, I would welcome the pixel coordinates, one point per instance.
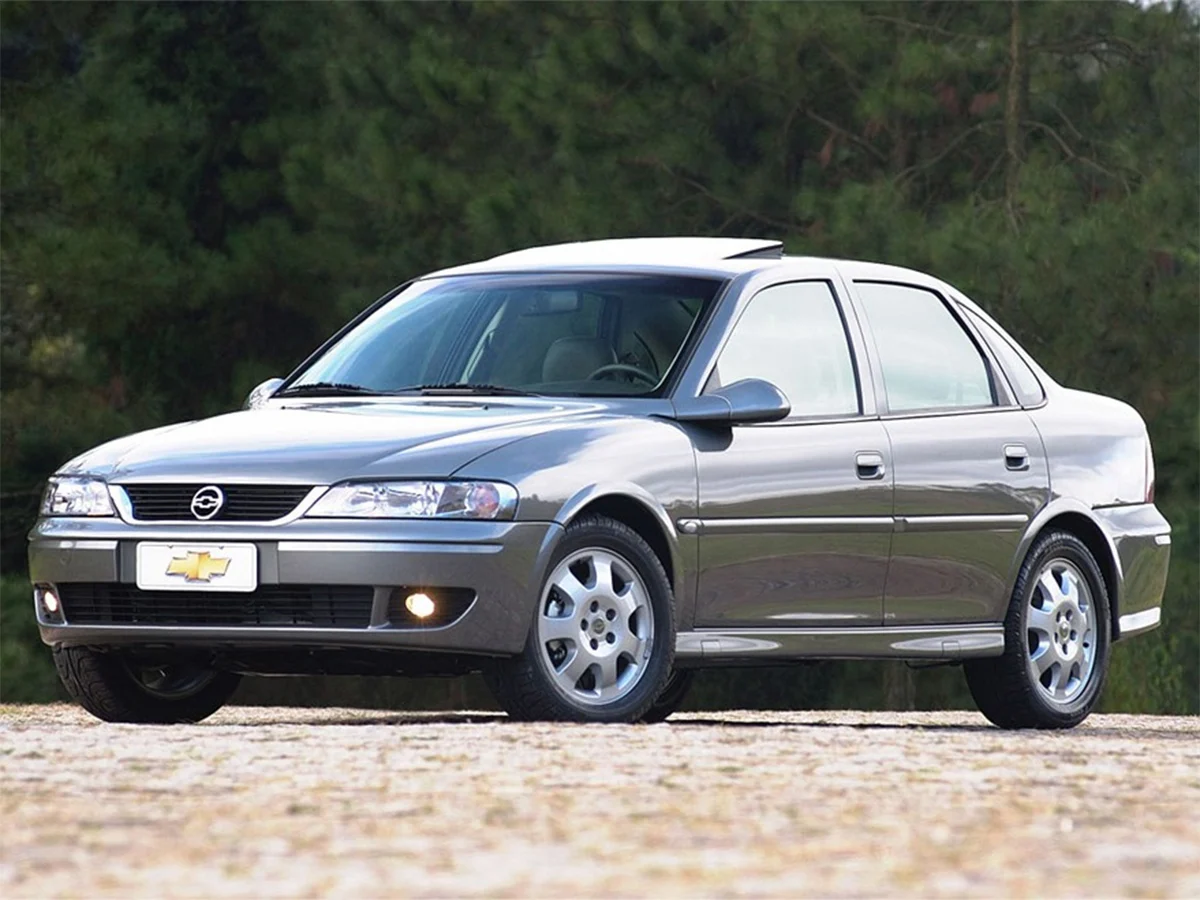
(968, 462)
(795, 522)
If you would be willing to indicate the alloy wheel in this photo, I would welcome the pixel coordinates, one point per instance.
(595, 626)
(1061, 632)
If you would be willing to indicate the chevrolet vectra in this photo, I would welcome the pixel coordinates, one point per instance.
(588, 470)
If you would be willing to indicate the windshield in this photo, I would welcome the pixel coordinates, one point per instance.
(594, 335)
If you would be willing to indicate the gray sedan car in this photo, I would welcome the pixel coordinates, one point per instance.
(588, 470)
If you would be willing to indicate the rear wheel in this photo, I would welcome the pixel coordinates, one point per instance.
(1057, 637)
(603, 637)
(119, 687)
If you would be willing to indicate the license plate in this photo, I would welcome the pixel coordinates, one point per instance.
(197, 567)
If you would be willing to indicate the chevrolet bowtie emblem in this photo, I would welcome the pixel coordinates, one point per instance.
(197, 566)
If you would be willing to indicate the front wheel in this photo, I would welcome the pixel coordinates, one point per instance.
(118, 687)
(1056, 640)
(603, 637)
(672, 696)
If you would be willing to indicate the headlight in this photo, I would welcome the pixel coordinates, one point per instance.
(418, 500)
(76, 497)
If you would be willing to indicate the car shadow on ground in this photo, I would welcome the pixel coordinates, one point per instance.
(822, 723)
(487, 718)
(315, 718)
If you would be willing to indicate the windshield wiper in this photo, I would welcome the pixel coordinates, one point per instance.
(463, 387)
(328, 388)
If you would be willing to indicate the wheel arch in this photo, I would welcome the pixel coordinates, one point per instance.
(633, 507)
(1077, 519)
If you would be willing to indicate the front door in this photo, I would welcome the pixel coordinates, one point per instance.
(795, 516)
(969, 467)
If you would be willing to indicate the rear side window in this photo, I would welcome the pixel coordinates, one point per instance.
(929, 362)
(792, 335)
(1025, 382)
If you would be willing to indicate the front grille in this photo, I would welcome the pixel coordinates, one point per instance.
(298, 605)
(243, 502)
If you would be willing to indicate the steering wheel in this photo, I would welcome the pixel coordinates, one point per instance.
(623, 369)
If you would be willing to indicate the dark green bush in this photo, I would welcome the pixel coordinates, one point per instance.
(26, 671)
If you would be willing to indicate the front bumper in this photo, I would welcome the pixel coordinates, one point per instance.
(499, 561)
(1141, 537)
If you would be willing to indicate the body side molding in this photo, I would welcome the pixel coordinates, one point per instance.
(817, 524)
(794, 524)
(1011, 522)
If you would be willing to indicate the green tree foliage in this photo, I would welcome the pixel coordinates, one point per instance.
(26, 668)
(194, 195)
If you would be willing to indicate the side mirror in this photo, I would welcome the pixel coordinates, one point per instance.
(261, 394)
(741, 403)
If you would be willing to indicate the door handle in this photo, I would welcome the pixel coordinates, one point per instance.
(1016, 457)
(869, 465)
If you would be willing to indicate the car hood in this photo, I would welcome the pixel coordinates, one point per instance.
(321, 442)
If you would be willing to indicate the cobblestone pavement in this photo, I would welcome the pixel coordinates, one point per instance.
(287, 802)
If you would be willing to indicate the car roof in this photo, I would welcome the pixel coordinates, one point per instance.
(645, 250)
(722, 257)
(701, 255)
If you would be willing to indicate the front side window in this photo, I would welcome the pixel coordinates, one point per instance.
(594, 335)
(1025, 381)
(792, 335)
(928, 361)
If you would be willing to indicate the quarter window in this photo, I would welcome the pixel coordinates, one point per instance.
(1025, 382)
(792, 335)
(928, 360)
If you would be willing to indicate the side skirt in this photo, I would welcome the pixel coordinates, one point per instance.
(754, 645)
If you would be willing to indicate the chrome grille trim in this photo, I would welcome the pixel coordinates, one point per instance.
(127, 509)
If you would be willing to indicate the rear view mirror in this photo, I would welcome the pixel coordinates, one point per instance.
(744, 402)
(261, 394)
(548, 303)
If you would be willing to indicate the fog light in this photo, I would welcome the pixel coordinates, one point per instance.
(420, 605)
(47, 603)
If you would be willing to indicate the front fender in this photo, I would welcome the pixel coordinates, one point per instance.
(627, 490)
(560, 472)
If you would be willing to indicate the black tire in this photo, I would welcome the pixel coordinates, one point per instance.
(107, 685)
(1004, 687)
(672, 696)
(523, 685)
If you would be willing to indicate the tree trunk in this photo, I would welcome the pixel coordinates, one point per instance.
(1014, 112)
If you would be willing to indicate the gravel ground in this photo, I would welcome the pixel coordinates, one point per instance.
(289, 802)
